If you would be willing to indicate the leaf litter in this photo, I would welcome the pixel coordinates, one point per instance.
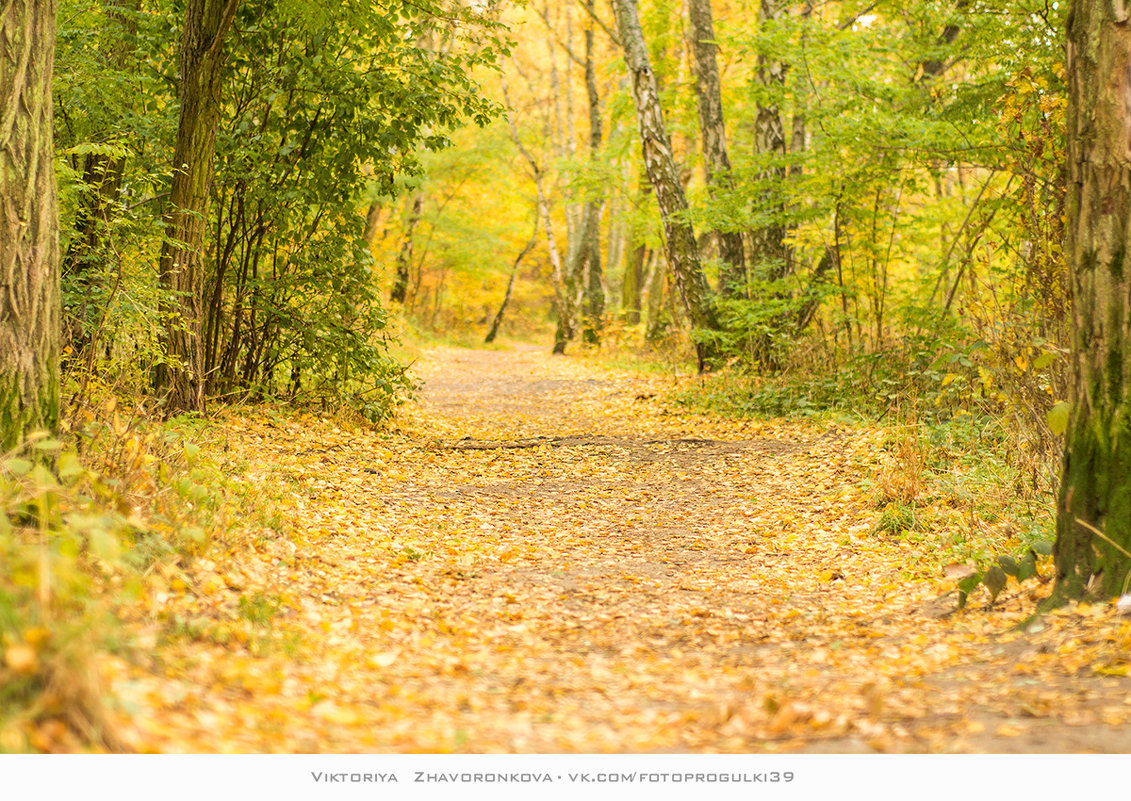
(543, 556)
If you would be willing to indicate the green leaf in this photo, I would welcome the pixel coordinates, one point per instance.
(1027, 567)
(995, 581)
(1057, 418)
(69, 466)
(1042, 548)
(967, 585)
(43, 478)
(195, 534)
(17, 467)
(47, 445)
(1044, 360)
(1008, 564)
(104, 544)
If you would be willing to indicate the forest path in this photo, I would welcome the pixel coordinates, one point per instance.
(543, 556)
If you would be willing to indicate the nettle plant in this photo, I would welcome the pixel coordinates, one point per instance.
(995, 576)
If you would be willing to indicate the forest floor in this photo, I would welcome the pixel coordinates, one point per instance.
(543, 555)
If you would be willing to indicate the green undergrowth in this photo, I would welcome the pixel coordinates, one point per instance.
(85, 519)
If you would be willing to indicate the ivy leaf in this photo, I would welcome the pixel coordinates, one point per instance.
(967, 586)
(1009, 565)
(1057, 418)
(995, 580)
(1027, 567)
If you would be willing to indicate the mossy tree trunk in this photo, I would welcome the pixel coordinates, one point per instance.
(404, 257)
(1094, 513)
(182, 264)
(29, 223)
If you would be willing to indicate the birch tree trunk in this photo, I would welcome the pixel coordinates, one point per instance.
(1094, 513)
(29, 224)
(683, 256)
(712, 135)
(182, 265)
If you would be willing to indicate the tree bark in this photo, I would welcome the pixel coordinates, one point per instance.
(655, 325)
(404, 256)
(182, 263)
(372, 221)
(683, 256)
(632, 287)
(635, 269)
(29, 224)
(588, 264)
(769, 251)
(1094, 512)
(712, 135)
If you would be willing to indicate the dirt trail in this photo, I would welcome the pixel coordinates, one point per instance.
(543, 557)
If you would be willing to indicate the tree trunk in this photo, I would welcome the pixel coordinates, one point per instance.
(372, 220)
(589, 247)
(1094, 512)
(404, 257)
(932, 68)
(768, 253)
(29, 255)
(654, 325)
(682, 253)
(494, 332)
(564, 330)
(633, 285)
(712, 134)
(570, 298)
(635, 269)
(182, 262)
(616, 232)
